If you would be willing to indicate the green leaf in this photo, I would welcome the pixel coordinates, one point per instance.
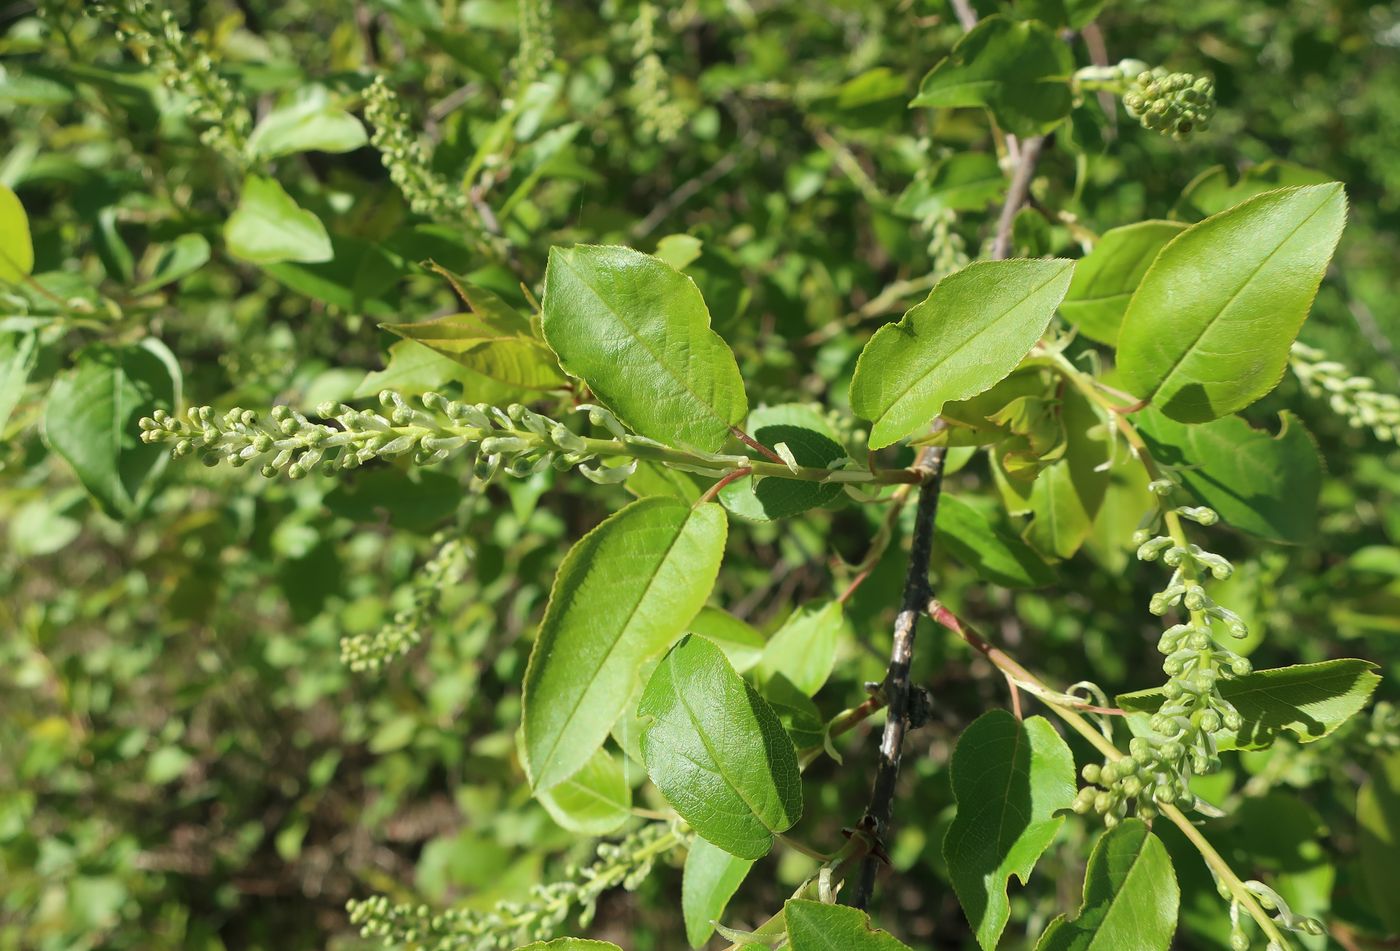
(570, 944)
(490, 347)
(804, 649)
(970, 332)
(997, 556)
(181, 258)
(1105, 278)
(710, 879)
(413, 369)
(1307, 700)
(16, 246)
(740, 641)
(1019, 70)
(1066, 495)
(269, 226)
(1219, 188)
(1130, 897)
(967, 181)
(19, 352)
(91, 420)
(638, 333)
(717, 751)
(593, 801)
(1259, 483)
(1378, 822)
(623, 594)
(812, 442)
(357, 278)
(1209, 328)
(1010, 778)
(311, 125)
(815, 926)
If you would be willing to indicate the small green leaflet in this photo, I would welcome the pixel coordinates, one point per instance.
(268, 226)
(311, 124)
(805, 433)
(623, 594)
(717, 751)
(18, 354)
(1066, 495)
(1010, 778)
(710, 879)
(497, 350)
(1019, 70)
(740, 641)
(1209, 328)
(1307, 700)
(1130, 897)
(1259, 483)
(1219, 188)
(1105, 278)
(90, 420)
(967, 335)
(570, 944)
(966, 534)
(638, 333)
(180, 258)
(1378, 822)
(804, 648)
(16, 246)
(815, 926)
(967, 181)
(593, 801)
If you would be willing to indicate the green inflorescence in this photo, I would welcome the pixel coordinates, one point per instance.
(406, 159)
(1173, 104)
(1352, 397)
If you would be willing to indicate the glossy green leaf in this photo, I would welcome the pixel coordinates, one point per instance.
(968, 334)
(16, 246)
(1010, 778)
(740, 641)
(312, 124)
(91, 420)
(593, 801)
(638, 333)
(1259, 483)
(1378, 829)
(804, 649)
(1218, 188)
(1019, 70)
(815, 926)
(1209, 328)
(1105, 278)
(181, 258)
(18, 354)
(623, 594)
(653, 478)
(269, 226)
(1002, 558)
(1066, 495)
(570, 944)
(710, 879)
(717, 751)
(805, 433)
(490, 347)
(1130, 897)
(967, 181)
(1307, 700)
(413, 369)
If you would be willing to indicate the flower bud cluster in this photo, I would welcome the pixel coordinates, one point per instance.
(660, 117)
(514, 440)
(512, 923)
(370, 652)
(1171, 103)
(1182, 743)
(186, 66)
(1352, 397)
(406, 159)
(536, 41)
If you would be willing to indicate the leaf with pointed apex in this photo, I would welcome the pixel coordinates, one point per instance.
(1130, 897)
(966, 336)
(497, 349)
(804, 648)
(311, 124)
(624, 592)
(718, 752)
(1209, 328)
(1010, 779)
(638, 333)
(1307, 700)
(1105, 278)
(268, 226)
(593, 801)
(709, 881)
(1218, 188)
(816, 926)
(740, 641)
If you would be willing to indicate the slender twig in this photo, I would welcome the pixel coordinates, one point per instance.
(1016, 195)
(896, 687)
(692, 187)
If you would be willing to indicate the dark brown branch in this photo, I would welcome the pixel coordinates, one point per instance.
(896, 688)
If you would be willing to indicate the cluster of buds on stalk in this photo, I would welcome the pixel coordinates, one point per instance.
(1350, 396)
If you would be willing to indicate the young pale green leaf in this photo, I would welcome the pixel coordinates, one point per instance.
(1130, 897)
(717, 751)
(181, 258)
(740, 641)
(490, 347)
(413, 369)
(18, 354)
(1219, 188)
(812, 442)
(312, 124)
(1010, 779)
(570, 944)
(816, 926)
(710, 879)
(1307, 700)
(1019, 70)
(1105, 278)
(622, 595)
(804, 648)
(1067, 494)
(638, 333)
(268, 226)
(1262, 484)
(1378, 825)
(1001, 558)
(91, 415)
(16, 246)
(593, 801)
(1209, 328)
(967, 181)
(969, 333)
